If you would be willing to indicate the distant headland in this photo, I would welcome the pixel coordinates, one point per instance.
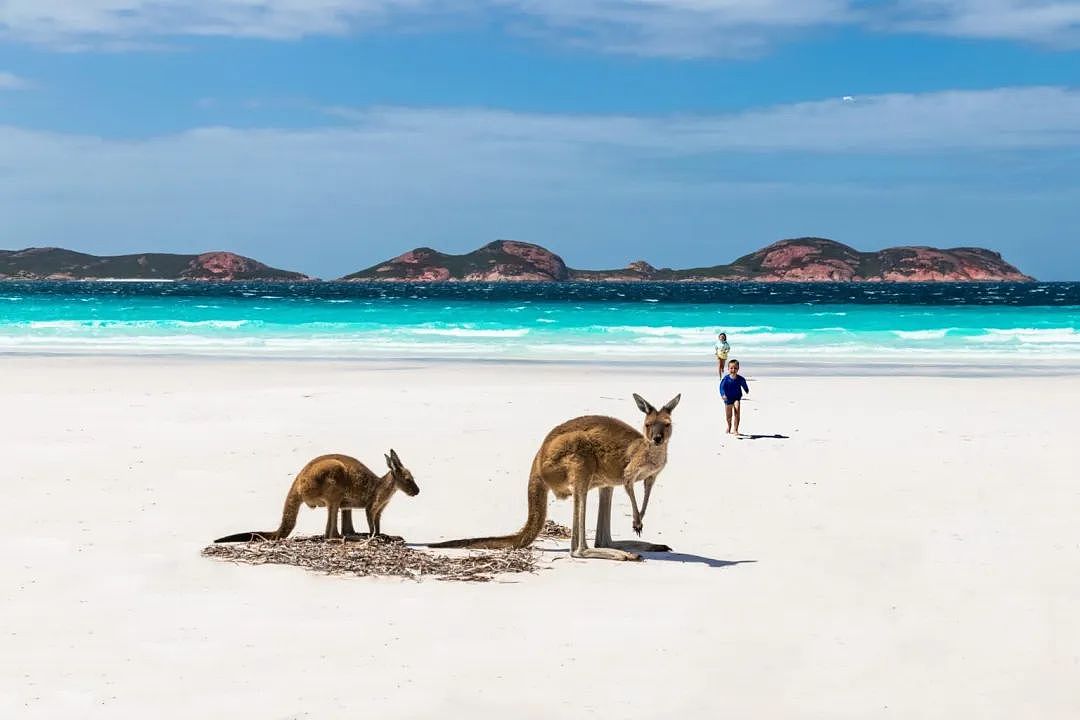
(60, 264)
(795, 260)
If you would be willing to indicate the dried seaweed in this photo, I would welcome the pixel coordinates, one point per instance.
(375, 557)
(555, 531)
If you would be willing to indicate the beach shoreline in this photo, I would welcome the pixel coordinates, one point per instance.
(1006, 366)
(898, 547)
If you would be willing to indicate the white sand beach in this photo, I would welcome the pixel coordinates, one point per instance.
(909, 550)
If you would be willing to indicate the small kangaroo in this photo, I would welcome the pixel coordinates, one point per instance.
(593, 451)
(338, 482)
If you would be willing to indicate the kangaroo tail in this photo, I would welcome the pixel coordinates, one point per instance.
(523, 538)
(254, 535)
(288, 522)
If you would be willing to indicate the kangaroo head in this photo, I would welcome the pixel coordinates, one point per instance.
(402, 477)
(657, 422)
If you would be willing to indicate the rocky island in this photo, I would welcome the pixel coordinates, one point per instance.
(797, 260)
(60, 264)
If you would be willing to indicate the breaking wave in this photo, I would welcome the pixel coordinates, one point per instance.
(598, 324)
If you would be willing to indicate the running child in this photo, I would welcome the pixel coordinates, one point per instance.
(732, 387)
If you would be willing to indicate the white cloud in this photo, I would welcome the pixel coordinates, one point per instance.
(118, 22)
(675, 28)
(394, 152)
(959, 120)
(1052, 22)
(680, 28)
(10, 81)
(347, 195)
(383, 150)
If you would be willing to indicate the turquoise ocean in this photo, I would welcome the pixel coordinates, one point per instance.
(814, 323)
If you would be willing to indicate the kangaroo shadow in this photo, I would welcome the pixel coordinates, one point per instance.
(669, 556)
(690, 558)
(777, 436)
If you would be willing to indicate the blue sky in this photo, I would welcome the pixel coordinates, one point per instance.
(327, 135)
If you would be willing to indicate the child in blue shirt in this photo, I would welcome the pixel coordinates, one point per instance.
(731, 391)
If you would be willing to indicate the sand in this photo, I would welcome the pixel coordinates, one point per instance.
(908, 550)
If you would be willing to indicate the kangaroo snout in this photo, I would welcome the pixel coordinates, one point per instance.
(658, 439)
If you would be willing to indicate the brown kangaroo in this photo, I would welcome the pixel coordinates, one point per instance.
(338, 482)
(589, 452)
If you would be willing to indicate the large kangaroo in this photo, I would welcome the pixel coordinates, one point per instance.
(589, 452)
(338, 482)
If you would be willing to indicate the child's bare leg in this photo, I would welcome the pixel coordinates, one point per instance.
(738, 414)
(728, 410)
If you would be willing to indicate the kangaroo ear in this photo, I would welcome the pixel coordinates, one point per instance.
(389, 462)
(672, 403)
(395, 458)
(643, 404)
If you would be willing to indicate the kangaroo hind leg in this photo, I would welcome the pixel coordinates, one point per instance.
(579, 547)
(346, 523)
(332, 521)
(603, 526)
